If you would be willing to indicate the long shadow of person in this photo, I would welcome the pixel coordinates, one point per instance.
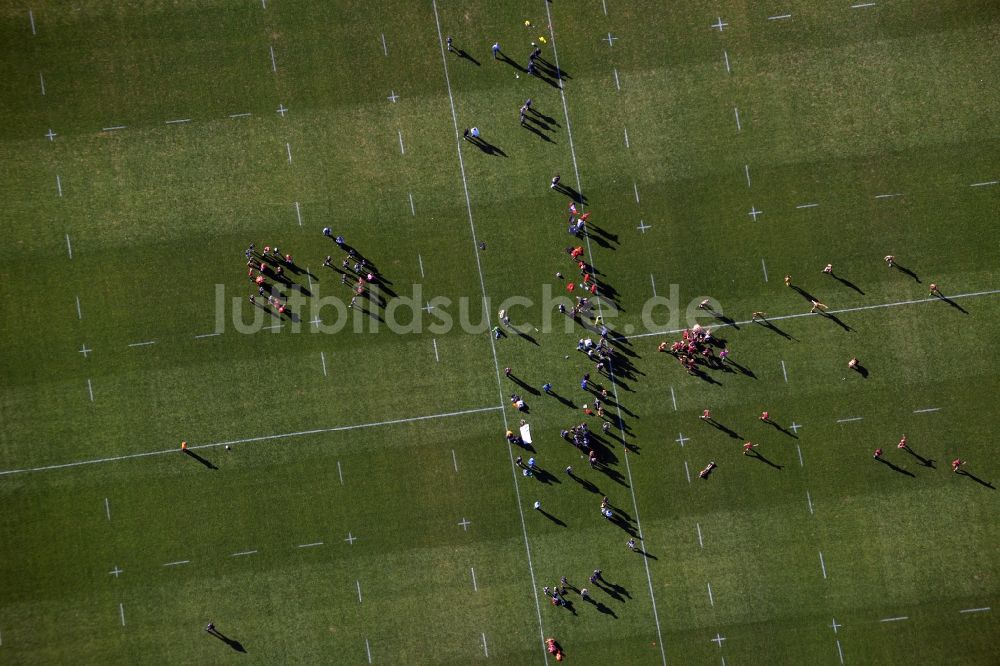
(462, 53)
(203, 461)
(926, 462)
(989, 485)
(759, 456)
(906, 270)
(953, 304)
(847, 283)
(551, 517)
(231, 642)
(895, 468)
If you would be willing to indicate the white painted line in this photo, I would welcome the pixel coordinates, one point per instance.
(385, 49)
(859, 6)
(358, 583)
(274, 64)
(41, 79)
(725, 55)
(420, 260)
(799, 449)
(177, 563)
(239, 115)
(437, 359)
(58, 184)
(975, 610)
(779, 17)
(272, 326)
(31, 17)
(310, 545)
(121, 611)
(175, 122)
(454, 459)
(79, 312)
(486, 650)
(809, 205)
(626, 137)
(784, 372)
(887, 196)
(736, 112)
(673, 398)
(413, 209)
(475, 586)
(850, 419)
(763, 267)
(687, 471)
(986, 184)
(810, 501)
(298, 208)
(288, 149)
(245, 552)
(618, 84)
(368, 649)
(322, 358)
(746, 170)
(69, 247)
(636, 188)
(840, 652)
(340, 473)
(926, 411)
(263, 4)
(895, 619)
(652, 281)
(822, 564)
(711, 599)
(90, 390)
(206, 335)
(112, 129)
(402, 150)
(604, 4)
(107, 508)
(143, 344)
(700, 542)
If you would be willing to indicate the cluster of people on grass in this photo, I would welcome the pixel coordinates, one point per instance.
(696, 346)
(265, 270)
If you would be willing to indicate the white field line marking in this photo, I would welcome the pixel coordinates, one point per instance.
(402, 150)
(850, 419)
(859, 6)
(420, 261)
(31, 17)
(809, 499)
(887, 196)
(340, 473)
(636, 188)
(263, 438)
(711, 599)
(746, 170)
(784, 372)
(310, 545)
(239, 115)
(413, 209)
(493, 349)
(206, 335)
(614, 384)
(79, 312)
(90, 390)
(808, 205)
(736, 112)
(779, 17)
(288, 149)
(925, 411)
(975, 610)
(437, 359)
(840, 652)
(322, 359)
(143, 344)
(763, 267)
(107, 508)
(272, 326)
(309, 278)
(985, 184)
(368, 649)
(245, 552)
(626, 138)
(178, 121)
(618, 84)
(385, 49)
(59, 184)
(454, 459)
(725, 55)
(41, 79)
(475, 586)
(298, 208)
(358, 583)
(673, 398)
(112, 129)
(121, 611)
(652, 281)
(799, 449)
(274, 63)
(69, 247)
(895, 619)
(822, 564)
(700, 542)
(687, 471)
(486, 650)
(177, 563)
(895, 304)
(604, 4)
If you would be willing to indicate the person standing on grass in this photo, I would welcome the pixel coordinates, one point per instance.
(890, 260)
(817, 306)
(747, 448)
(523, 115)
(934, 289)
(902, 443)
(828, 269)
(956, 465)
(630, 544)
(556, 178)
(878, 454)
(765, 417)
(496, 49)
(449, 41)
(706, 415)
(788, 280)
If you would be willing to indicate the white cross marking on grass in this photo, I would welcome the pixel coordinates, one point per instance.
(626, 138)
(112, 129)
(465, 524)
(926, 411)
(985, 184)
(779, 17)
(350, 539)
(121, 612)
(610, 40)
(486, 651)
(392, 96)
(725, 56)
(58, 184)
(475, 587)
(243, 553)
(643, 226)
(31, 17)
(385, 49)
(420, 262)
(413, 209)
(763, 267)
(52, 135)
(687, 471)
(718, 640)
(719, 25)
(799, 449)
(899, 618)
(754, 213)
(810, 501)
(316, 322)
(85, 351)
(834, 625)
(107, 508)
(274, 63)
(116, 571)
(322, 359)
(736, 112)
(673, 398)
(340, 473)
(618, 84)
(368, 650)
(282, 110)
(41, 80)
(808, 205)
(795, 427)
(822, 564)
(454, 459)
(358, 583)
(427, 308)
(711, 599)
(975, 610)
(681, 439)
(700, 542)
(288, 149)
(90, 390)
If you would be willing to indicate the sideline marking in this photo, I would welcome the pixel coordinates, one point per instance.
(799, 449)
(887, 196)
(895, 619)
(437, 359)
(975, 610)
(736, 112)
(822, 564)
(41, 79)
(485, 649)
(121, 611)
(79, 312)
(618, 84)
(700, 542)
(746, 170)
(763, 267)
(652, 281)
(840, 652)
(604, 4)
(926, 411)
(687, 471)
(59, 184)
(413, 209)
(358, 583)
(385, 49)
(808, 205)
(368, 649)
(340, 473)
(298, 208)
(107, 508)
(454, 459)
(475, 587)
(859, 6)
(288, 149)
(784, 372)
(239, 115)
(274, 64)
(31, 17)
(90, 390)
(322, 358)
(402, 150)
(987, 183)
(245, 552)
(69, 247)
(636, 188)
(711, 599)
(626, 138)
(850, 419)
(779, 17)
(809, 499)
(725, 55)
(178, 121)
(311, 545)
(177, 563)
(112, 129)
(420, 260)
(673, 398)
(143, 344)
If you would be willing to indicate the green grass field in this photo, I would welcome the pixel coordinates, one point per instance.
(367, 508)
